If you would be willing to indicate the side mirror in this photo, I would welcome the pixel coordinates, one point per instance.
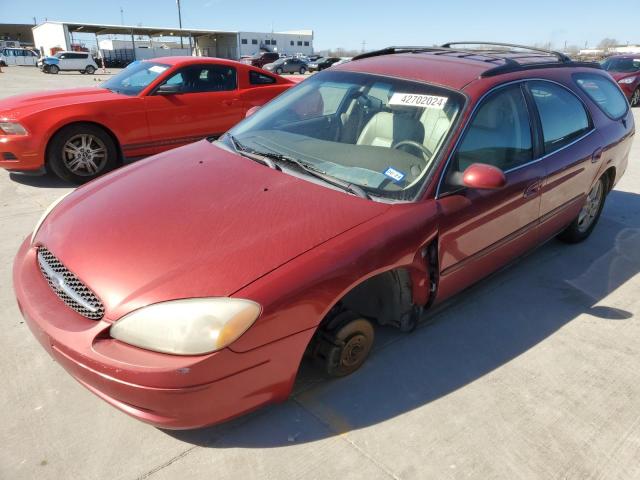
(168, 89)
(251, 111)
(483, 177)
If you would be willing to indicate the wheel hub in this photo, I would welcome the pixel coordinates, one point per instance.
(354, 350)
(591, 207)
(84, 154)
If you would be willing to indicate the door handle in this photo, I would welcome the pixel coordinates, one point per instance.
(533, 189)
(597, 155)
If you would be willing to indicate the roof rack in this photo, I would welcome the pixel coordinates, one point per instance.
(503, 56)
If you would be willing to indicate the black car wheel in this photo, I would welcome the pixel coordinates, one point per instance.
(279, 71)
(54, 69)
(635, 98)
(585, 222)
(302, 70)
(90, 70)
(79, 153)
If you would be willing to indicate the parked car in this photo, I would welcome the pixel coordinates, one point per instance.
(322, 63)
(341, 61)
(287, 65)
(83, 62)
(149, 107)
(185, 289)
(262, 58)
(18, 56)
(625, 69)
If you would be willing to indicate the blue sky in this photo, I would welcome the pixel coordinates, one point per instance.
(348, 23)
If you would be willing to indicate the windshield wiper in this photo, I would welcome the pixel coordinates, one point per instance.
(315, 172)
(252, 154)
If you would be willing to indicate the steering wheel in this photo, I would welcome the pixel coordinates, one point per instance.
(426, 153)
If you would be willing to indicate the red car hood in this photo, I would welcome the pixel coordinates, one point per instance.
(21, 105)
(193, 222)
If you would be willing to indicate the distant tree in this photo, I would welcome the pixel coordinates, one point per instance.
(607, 43)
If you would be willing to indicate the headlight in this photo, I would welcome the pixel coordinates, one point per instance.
(627, 80)
(192, 326)
(12, 128)
(46, 214)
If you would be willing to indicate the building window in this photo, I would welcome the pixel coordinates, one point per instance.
(299, 43)
(292, 43)
(306, 44)
(254, 42)
(244, 41)
(273, 42)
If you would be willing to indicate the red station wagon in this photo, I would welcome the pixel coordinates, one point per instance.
(185, 289)
(149, 107)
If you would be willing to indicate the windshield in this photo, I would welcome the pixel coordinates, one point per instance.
(622, 65)
(378, 133)
(135, 78)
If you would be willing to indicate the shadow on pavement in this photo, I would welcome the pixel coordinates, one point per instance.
(477, 332)
(47, 180)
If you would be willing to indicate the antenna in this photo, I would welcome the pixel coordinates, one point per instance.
(121, 16)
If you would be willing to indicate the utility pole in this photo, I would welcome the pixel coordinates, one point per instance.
(121, 16)
(364, 45)
(180, 22)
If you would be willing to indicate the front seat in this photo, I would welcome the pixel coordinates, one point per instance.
(385, 129)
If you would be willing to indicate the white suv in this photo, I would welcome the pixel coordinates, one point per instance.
(61, 61)
(17, 56)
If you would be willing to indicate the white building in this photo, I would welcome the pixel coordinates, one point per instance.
(149, 41)
(290, 42)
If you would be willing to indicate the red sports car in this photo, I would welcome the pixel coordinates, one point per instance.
(625, 69)
(151, 106)
(185, 289)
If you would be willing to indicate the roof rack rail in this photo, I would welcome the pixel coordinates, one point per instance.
(559, 55)
(507, 64)
(396, 49)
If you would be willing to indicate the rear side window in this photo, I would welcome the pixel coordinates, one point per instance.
(499, 134)
(257, 78)
(562, 114)
(604, 93)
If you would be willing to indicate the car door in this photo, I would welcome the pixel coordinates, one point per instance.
(206, 104)
(481, 230)
(570, 158)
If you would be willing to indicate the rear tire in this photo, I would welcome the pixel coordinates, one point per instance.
(303, 70)
(585, 222)
(79, 153)
(90, 70)
(635, 98)
(54, 69)
(279, 71)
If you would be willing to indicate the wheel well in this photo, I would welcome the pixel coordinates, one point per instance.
(93, 124)
(611, 176)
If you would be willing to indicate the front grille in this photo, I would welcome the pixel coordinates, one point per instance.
(68, 287)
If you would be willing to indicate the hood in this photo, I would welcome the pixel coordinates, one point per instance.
(20, 105)
(198, 221)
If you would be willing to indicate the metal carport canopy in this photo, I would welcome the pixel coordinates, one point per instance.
(101, 29)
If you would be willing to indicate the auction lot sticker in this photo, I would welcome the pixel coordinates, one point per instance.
(415, 100)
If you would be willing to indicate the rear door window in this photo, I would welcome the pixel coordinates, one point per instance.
(257, 78)
(604, 93)
(563, 116)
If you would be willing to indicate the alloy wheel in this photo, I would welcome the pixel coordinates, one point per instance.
(591, 207)
(84, 154)
(635, 98)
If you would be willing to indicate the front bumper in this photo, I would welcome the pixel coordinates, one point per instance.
(21, 153)
(168, 391)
